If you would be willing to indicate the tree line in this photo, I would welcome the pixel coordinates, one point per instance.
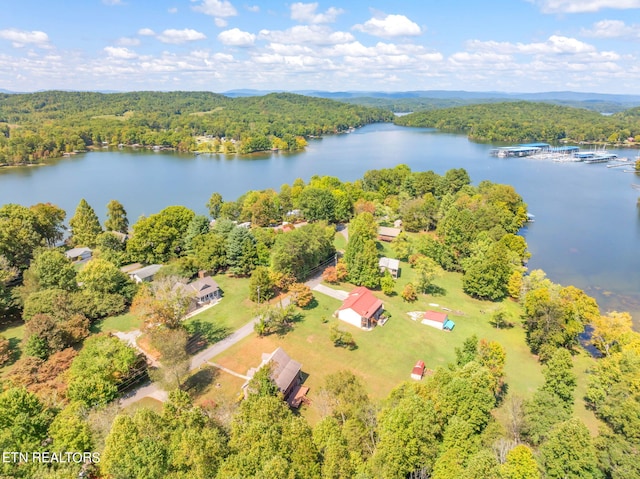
(529, 121)
(37, 126)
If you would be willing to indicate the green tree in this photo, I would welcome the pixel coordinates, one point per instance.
(427, 271)
(387, 284)
(242, 254)
(210, 251)
(100, 276)
(487, 275)
(559, 378)
(198, 226)
(174, 360)
(24, 421)
(163, 303)
(70, 430)
(569, 453)
(51, 269)
(317, 204)
(261, 286)
(95, 373)
(159, 237)
(19, 235)
(214, 205)
(116, 217)
(299, 251)
(341, 338)
(520, 464)
(50, 224)
(85, 225)
(361, 255)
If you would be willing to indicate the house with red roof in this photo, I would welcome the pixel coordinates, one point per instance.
(361, 308)
(437, 320)
(418, 371)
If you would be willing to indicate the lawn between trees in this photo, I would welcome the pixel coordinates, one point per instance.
(384, 356)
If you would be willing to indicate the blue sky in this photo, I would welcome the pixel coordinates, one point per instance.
(219, 45)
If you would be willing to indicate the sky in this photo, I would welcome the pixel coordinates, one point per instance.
(400, 45)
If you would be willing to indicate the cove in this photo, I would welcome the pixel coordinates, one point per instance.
(587, 227)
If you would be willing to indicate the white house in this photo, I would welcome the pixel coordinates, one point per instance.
(361, 308)
(389, 264)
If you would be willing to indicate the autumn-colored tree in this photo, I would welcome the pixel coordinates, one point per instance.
(301, 295)
(329, 275)
(611, 332)
(409, 293)
(162, 303)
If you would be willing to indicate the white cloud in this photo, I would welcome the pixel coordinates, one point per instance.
(112, 2)
(556, 44)
(180, 36)
(128, 41)
(216, 8)
(390, 26)
(237, 38)
(253, 8)
(306, 13)
(221, 22)
(20, 38)
(314, 34)
(120, 52)
(173, 10)
(612, 29)
(581, 6)
(146, 32)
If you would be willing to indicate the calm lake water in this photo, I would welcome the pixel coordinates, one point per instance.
(587, 228)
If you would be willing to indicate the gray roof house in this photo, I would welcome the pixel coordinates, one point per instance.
(389, 264)
(78, 254)
(145, 274)
(204, 289)
(285, 373)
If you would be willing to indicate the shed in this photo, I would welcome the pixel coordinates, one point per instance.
(79, 254)
(389, 264)
(361, 308)
(418, 371)
(386, 233)
(437, 320)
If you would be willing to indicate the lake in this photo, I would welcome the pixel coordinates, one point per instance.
(586, 233)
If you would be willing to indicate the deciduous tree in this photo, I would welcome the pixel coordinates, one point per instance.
(116, 217)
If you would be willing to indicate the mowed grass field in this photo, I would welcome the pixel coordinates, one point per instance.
(385, 356)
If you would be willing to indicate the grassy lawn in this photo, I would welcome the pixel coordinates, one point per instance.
(145, 403)
(234, 310)
(385, 356)
(14, 332)
(123, 322)
(581, 363)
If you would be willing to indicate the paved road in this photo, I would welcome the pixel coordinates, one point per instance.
(334, 293)
(153, 390)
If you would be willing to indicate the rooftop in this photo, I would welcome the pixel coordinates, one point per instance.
(362, 301)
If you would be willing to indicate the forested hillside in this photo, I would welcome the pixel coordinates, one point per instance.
(526, 121)
(47, 124)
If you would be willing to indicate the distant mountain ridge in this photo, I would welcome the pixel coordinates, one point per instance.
(442, 94)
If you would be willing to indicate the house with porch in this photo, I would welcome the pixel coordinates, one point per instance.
(361, 309)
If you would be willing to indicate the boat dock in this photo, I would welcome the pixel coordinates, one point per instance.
(603, 158)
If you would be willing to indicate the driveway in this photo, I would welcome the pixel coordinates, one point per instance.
(334, 293)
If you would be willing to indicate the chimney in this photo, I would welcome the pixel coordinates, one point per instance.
(202, 273)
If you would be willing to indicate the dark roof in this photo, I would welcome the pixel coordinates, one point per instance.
(204, 286)
(284, 369)
(362, 301)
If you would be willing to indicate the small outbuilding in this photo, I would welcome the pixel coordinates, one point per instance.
(418, 371)
(389, 264)
(437, 320)
(361, 309)
(79, 254)
(386, 233)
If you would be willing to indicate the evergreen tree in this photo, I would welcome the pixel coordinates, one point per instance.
(116, 217)
(361, 254)
(85, 225)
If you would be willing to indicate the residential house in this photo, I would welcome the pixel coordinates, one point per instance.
(437, 320)
(204, 289)
(145, 274)
(285, 373)
(361, 308)
(79, 254)
(391, 265)
(386, 233)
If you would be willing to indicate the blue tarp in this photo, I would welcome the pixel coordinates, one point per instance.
(449, 325)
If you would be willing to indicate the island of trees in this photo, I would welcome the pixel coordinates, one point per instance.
(37, 126)
(467, 419)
